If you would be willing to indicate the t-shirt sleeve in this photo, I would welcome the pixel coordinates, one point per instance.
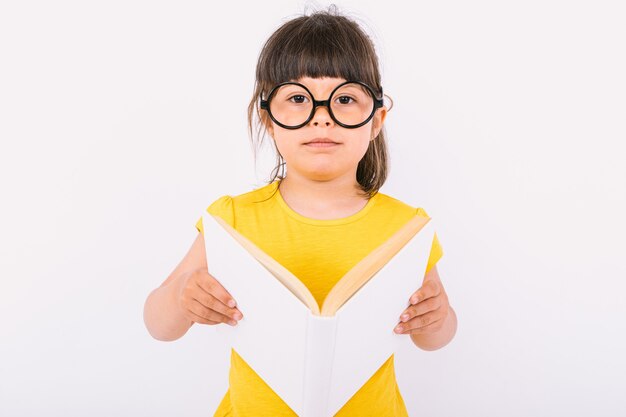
(436, 251)
(222, 207)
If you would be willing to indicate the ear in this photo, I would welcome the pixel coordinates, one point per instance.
(378, 121)
(269, 126)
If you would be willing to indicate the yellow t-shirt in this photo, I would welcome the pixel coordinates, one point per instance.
(319, 253)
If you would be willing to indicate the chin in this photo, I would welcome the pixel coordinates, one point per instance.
(322, 175)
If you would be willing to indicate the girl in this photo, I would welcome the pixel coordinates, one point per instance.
(318, 94)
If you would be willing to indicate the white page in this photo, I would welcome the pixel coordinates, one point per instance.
(365, 324)
(271, 337)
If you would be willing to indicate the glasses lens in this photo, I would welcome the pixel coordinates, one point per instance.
(352, 104)
(291, 105)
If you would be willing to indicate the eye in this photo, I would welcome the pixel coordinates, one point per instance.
(298, 99)
(345, 100)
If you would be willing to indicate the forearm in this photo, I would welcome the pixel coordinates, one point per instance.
(434, 341)
(162, 315)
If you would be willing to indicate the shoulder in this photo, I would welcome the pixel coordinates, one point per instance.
(395, 205)
(259, 193)
(397, 208)
(228, 206)
(221, 207)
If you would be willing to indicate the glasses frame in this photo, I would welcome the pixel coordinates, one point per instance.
(265, 105)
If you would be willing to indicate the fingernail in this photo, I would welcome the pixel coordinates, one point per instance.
(237, 316)
(398, 329)
(232, 323)
(404, 317)
(231, 303)
(414, 300)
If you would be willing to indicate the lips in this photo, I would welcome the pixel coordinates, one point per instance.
(320, 140)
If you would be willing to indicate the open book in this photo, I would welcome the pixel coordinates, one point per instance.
(316, 360)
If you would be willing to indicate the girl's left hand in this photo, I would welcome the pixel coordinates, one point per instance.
(429, 307)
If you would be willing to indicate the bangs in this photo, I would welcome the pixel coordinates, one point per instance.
(316, 47)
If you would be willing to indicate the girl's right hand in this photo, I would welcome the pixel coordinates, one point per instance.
(202, 299)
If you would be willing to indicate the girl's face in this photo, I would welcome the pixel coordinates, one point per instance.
(324, 162)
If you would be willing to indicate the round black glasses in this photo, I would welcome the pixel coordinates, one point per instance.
(351, 104)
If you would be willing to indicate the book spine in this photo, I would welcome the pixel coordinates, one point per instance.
(320, 352)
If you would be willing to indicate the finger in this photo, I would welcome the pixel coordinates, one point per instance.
(212, 303)
(433, 327)
(196, 309)
(197, 319)
(424, 307)
(418, 323)
(212, 286)
(429, 289)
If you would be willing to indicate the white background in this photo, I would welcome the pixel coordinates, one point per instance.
(121, 121)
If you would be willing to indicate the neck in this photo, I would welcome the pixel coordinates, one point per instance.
(338, 197)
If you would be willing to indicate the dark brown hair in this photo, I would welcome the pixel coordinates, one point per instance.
(322, 44)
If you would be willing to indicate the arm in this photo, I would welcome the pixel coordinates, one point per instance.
(162, 313)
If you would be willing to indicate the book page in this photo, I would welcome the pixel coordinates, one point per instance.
(367, 267)
(289, 280)
(364, 337)
(271, 337)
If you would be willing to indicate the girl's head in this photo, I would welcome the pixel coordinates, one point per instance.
(321, 51)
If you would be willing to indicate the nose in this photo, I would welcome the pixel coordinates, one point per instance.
(321, 117)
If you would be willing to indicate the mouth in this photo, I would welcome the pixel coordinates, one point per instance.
(321, 142)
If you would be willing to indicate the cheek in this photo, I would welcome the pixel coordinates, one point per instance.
(285, 143)
(360, 140)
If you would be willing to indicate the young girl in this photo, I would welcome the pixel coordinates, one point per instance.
(318, 94)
